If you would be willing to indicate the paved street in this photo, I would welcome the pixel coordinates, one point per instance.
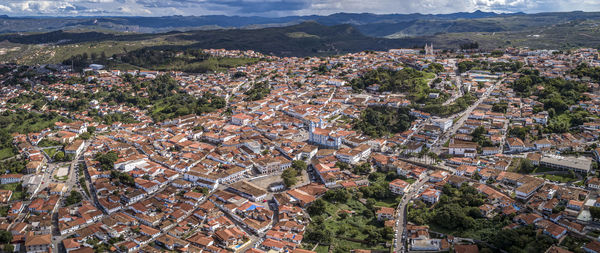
(462, 117)
(399, 240)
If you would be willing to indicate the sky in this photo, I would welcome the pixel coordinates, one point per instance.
(278, 8)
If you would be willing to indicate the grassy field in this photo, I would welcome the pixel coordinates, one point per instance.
(6, 153)
(63, 178)
(558, 178)
(50, 151)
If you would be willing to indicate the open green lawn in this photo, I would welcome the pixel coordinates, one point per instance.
(322, 249)
(63, 178)
(50, 152)
(6, 153)
(410, 180)
(558, 178)
(542, 170)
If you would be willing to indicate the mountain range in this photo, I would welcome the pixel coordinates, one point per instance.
(53, 39)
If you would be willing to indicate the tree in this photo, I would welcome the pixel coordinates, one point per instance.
(73, 198)
(362, 169)
(59, 156)
(382, 121)
(299, 165)
(317, 207)
(500, 107)
(289, 177)
(9, 248)
(526, 166)
(5, 236)
(107, 160)
(338, 195)
(85, 136)
(595, 212)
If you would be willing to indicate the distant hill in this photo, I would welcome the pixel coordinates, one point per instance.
(374, 25)
(210, 22)
(310, 38)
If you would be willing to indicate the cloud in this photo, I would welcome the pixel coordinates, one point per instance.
(4, 8)
(281, 7)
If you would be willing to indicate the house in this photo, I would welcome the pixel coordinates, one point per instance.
(70, 244)
(385, 213)
(575, 205)
(241, 119)
(399, 186)
(171, 242)
(10, 178)
(75, 147)
(594, 183)
(248, 190)
(526, 190)
(463, 149)
(431, 195)
(462, 248)
(515, 144)
(592, 247)
(38, 243)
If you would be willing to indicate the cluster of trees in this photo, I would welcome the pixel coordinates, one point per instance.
(73, 198)
(435, 68)
(290, 175)
(22, 121)
(519, 132)
(459, 105)
(13, 166)
(469, 45)
(595, 212)
(6, 238)
(491, 66)
(378, 188)
(381, 121)
(480, 137)
(500, 107)
(60, 156)
(361, 169)
(168, 102)
(150, 58)
(584, 70)
(404, 80)
(258, 91)
(557, 95)
(123, 178)
(457, 209)
(522, 239)
(361, 225)
(107, 160)
(81, 61)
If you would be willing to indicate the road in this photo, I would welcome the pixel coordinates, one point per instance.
(71, 184)
(400, 225)
(462, 117)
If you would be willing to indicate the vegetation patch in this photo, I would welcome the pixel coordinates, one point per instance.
(383, 121)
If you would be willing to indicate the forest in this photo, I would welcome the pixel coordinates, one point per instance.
(162, 59)
(491, 66)
(382, 121)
